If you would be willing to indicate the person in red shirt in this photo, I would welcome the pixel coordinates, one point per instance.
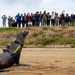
(28, 18)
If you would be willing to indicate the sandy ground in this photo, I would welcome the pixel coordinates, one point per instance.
(44, 61)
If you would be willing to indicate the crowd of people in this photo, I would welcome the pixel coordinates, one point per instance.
(40, 19)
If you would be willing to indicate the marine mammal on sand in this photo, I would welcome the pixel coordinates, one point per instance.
(12, 54)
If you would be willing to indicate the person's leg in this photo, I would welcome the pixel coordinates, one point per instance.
(26, 23)
(19, 24)
(53, 22)
(33, 22)
(4, 24)
(23, 24)
(38, 22)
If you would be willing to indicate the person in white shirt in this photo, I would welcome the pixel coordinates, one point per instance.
(53, 18)
(4, 20)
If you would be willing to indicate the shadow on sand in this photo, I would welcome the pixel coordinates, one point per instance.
(21, 64)
(4, 70)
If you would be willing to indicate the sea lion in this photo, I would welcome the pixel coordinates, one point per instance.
(12, 54)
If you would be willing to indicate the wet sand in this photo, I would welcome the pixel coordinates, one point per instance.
(44, 61)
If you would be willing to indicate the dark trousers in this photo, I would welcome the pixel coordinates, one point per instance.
(37, 22)
(22, 22)
(33, 22)
(48, 22)
(18, 23)
(53, 22)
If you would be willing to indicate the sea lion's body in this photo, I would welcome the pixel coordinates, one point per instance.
(12, 54)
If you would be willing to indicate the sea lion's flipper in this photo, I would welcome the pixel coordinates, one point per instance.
(17, 59)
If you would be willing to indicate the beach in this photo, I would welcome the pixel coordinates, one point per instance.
(44, 61)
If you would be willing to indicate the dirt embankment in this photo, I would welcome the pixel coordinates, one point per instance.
(41, 36)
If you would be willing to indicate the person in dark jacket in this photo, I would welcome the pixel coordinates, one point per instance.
(22, 21)
(33, 19)
(48, 19)
(63, 19)
(37, 17)
(67, 19)
(72, 20)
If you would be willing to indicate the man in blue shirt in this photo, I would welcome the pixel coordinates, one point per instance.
(18, 18)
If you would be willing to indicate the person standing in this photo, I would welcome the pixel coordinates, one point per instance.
(48, 19)
(44, 18)
(22, 21)
(28, 19)
(25, 21)
(72, 20)
(37, 17)
(67, 19)
(4, 17)
(33, 19)
(41, 23)
(63, 19)
(9, 22)
(53, 18)
(56, 19)
(18, 18)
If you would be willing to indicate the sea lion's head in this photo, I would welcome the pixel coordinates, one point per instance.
(20, 37)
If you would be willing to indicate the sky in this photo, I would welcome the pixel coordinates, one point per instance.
(12, 7)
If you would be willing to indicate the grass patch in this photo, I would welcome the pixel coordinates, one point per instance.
(39, 37)
(10, 30)
(71, 31)
(45, 28)
(57, 35)
(5, 42)
(52, 41)
(67, 41)
(43, 41)
(47, 41)
(35, 34)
